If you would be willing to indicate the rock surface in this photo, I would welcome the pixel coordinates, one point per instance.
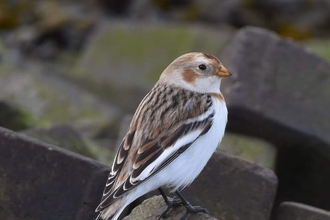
(280, 92)
(231, 188)
(41, 181)
(280, 81)
(153, 207)
(297, 211)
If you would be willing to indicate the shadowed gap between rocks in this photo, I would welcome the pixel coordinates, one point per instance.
(302, 160)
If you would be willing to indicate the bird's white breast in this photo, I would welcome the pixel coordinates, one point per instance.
(183, 170)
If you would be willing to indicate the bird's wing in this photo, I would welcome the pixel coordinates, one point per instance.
(166, 123)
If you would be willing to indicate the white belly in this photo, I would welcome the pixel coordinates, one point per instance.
(182, 171)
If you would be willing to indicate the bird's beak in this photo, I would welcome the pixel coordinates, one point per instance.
(223, 72)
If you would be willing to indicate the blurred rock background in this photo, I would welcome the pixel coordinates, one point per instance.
(73, 72)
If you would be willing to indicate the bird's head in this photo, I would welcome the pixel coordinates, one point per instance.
(195, 71)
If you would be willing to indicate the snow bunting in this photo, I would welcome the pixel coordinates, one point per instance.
(174, 131)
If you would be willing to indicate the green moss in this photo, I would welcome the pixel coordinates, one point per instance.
(139, 45)
(104, 155)
(14, 118)
(320, 46)
(58, 108)
(67, 141)
(248, 148)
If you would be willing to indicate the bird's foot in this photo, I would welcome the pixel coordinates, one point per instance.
(196, 209)
(193, 209)
(189, 207)
(175, 202)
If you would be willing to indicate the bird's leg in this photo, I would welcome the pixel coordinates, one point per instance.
(173, 203)
(164, 196)
(189, 207)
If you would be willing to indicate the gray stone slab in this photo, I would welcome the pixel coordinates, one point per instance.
(40, 181)
(298, 211)
(231, 188)
(278, 80)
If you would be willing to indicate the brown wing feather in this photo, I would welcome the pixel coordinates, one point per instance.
(165, 107)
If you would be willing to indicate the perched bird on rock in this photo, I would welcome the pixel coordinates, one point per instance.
(174, 132)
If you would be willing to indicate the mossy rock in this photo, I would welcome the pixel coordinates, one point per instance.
(63, 136)
(51, 100)
(249, 148)
(67, 137)
(124, 60)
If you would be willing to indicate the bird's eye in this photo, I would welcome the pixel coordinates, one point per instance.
(202, 67)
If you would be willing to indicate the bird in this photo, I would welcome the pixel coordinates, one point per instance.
(173, 133)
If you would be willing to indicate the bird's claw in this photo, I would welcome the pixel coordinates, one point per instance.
(193, 209)
(196, 209)
(175, 202)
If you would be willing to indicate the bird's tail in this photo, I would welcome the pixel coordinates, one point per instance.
(99, 217)
(113, 211)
